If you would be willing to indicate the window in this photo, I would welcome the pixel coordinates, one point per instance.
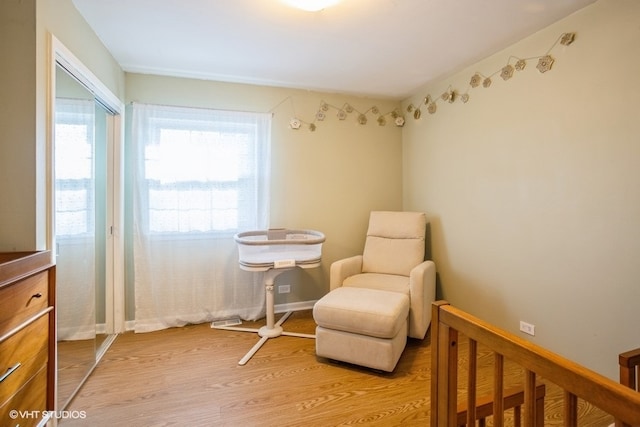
(203, 171)
(195, 177)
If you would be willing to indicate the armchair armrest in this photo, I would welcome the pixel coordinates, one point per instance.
(422, 287)
(342, 269)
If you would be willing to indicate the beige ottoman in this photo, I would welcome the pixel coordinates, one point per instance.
(365, 327)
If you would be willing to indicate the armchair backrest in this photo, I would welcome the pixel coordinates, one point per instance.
(395, 242)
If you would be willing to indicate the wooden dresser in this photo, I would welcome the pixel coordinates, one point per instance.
(27, 337)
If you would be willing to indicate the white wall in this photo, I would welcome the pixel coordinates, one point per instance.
(533, 187)
(328, 180)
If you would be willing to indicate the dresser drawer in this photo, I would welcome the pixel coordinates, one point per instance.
(22, 300)
(27, 406)
(22, 355)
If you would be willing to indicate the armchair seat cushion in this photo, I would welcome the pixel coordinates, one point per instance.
(370, 312)
(379, 281)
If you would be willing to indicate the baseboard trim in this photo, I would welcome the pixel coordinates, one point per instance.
(129, 325)
(294, 306)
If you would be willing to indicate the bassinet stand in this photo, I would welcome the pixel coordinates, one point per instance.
(273, 252)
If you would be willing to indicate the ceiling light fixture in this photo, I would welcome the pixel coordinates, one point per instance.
(311, 5)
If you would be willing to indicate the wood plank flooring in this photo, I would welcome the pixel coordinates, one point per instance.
(190, 377)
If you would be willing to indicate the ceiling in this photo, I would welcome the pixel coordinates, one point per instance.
(376, 48)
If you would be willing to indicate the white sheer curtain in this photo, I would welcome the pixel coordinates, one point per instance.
(200, 177)
(75, 199)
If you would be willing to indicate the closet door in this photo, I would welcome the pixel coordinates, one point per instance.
(85, 204)
(79, 206)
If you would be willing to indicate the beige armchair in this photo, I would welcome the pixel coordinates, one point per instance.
(378, 298)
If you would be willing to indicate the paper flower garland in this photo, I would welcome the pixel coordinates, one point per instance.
(545, 62)
(343, 112)
(506, 72)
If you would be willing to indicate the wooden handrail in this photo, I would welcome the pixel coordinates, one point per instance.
(578, 382)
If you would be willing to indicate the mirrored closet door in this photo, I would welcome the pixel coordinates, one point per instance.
(82, 203)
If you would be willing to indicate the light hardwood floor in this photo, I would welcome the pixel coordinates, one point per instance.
(190, 377)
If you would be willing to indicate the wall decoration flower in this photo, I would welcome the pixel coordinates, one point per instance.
(294, 124)
(486, 82)
(507, 72)
(567, 38)
(432, 108)
(341, 115)
(382, 121)
(475, 80)
(362, 119)
(520, 64)
(545, 63)
(320, 115)
(399, 121)
(417, 114)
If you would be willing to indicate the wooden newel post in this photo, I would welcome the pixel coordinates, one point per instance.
(444, 370)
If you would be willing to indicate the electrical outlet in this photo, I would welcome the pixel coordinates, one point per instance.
(527, 328)
(284, 289)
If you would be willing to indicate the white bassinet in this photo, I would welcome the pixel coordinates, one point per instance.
(279, 248)
(273, 252)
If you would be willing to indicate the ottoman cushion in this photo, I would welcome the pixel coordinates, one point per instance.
(363, 350)
(370, 312)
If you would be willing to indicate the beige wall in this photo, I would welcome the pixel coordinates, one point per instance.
(24, 33)
(327, 180)
(60, 18)
(533, 187)
(18, 135)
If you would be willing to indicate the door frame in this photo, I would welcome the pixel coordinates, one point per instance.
(114, 281)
